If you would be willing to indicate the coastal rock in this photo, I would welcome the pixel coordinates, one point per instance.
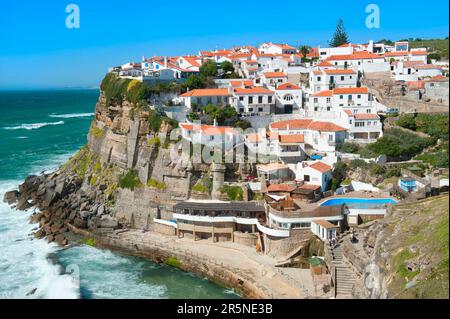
(11, 197)
(107, 221)
(61, 240)
(50, 238)
(23, 204)
(72, 215)
(40, 233)
(80, 223)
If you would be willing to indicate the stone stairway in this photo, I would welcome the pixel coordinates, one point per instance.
(345, 276)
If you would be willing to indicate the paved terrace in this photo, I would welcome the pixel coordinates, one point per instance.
(242, 260)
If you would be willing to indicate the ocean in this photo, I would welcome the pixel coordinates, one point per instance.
(40, 130)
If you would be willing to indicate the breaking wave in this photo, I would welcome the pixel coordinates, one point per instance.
(33, 126)
(72, 115)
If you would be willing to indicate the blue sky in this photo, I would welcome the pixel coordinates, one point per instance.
(38, 51)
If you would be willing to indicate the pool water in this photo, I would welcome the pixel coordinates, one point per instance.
(360, 203)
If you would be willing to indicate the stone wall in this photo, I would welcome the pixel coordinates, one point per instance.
(163, 229)
(247, 239)
(280, 247)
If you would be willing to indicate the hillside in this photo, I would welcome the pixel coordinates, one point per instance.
(439, 46)
(411, 248)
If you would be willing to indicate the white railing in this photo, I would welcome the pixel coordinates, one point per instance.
(238, 220)
(165, 222)
(378, 211)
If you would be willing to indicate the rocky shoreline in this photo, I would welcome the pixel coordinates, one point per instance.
(64, 208)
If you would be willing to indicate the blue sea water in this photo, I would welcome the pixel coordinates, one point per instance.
(40, 130)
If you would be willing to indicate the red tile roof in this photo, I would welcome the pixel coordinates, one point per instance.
(325, 63)
(206, 92)
(323, 93)
(416, 85)
(241, 83)
(291, 124)
(208, 129)
(292, 139)
(427, 66)
(325, 127)
(275, 75)
(360, 90)
(438, 78)
(321, 167)
(288, 86)
(342, 71)
(362, 55)
(366, 116)
(280, 188)
(253, 90)
(309, 187)
(254, 138)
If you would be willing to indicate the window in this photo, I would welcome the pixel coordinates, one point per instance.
(351, 121)
(250, 109)
(250, 100)
(328, 108)
(260, 109)
(328, 99)
(368, 111)
(360, 124)
(270, 99)
(330, 137)
(350, 97)
(318, 78)
(316, 100)
(241, 110)
(359, 96)
(288, 97)
(351, 77)
(341, 97)
(332, 79)
(342, 78)
(260, 99)
(241, 98)
(316, 108)
(306, 178)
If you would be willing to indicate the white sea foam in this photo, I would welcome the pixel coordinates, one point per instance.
(24, 267)
(72, 115)
(33, 126)
(22, 137)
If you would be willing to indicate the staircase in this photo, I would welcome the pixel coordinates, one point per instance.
(345, 277)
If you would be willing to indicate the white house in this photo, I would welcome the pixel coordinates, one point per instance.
(276, 48)
(250, 68)
(321, 80)
(428, 70)
(203, 97)
(253, 100)
(212, 135)
(289, 98)
(325, 53)
(274, 78)
(363, 127)
(314, 173)
(360, 61)
(323, 229)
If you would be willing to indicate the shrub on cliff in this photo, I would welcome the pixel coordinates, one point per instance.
(130, 180)
(156, 184)
(235, 193)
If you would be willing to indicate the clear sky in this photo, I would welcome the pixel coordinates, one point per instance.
(37, 50)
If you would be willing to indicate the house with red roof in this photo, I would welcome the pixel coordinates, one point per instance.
(273, 79)
(212, 135)
(324, 79)
(362, 61)
(289, 98)
(315, 173)
(363, 127)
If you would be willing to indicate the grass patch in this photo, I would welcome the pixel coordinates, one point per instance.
(130, 180)
(156, 184)
(235, 193)
(154, 141)
(97, 132)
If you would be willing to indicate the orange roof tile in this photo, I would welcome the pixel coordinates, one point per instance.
(349, 112)
(292, 139)
(280, 188)
(323, 93)
(206, 92)
(309, 187)
(325, 127)
(321, 167)
(271, 166)
(366, 116)
(362, 55)
(337, 71)
(325, 223)
(427, 66)
(241, 83)
(288, 86)
(416, 85)
(438, 78)
(325, 63)
(254, 138)
(275, 75)
(360, 90)
(291, 124)
(253, 90)
(208, 129)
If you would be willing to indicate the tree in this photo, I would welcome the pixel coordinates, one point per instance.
(304, 50)
(209, 68)
(227, 69)
(194, 82)
(340, 36)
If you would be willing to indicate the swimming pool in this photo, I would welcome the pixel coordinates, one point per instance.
(360, 203)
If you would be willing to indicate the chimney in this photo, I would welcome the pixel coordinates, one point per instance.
(165, 62)
(215, 122)
(143, 58)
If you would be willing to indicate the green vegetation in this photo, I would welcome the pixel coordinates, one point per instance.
(154, 141)
(136, 92)
(158, 117)
(97, 132)
(348, 147)
(397, 144)
(225, 116)
(235, 193)
(173, 262)
(435, 125)
(437, 158)
(79, 163)
(156, 184)
(130, 180)
(89, 241)
(204, 185)
(340, 36)
(437, 48)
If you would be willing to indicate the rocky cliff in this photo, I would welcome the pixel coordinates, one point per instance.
(124, 177)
